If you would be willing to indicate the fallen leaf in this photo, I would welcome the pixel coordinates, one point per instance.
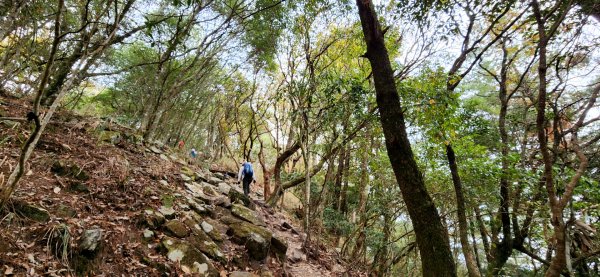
(9, 270)
(31, 258)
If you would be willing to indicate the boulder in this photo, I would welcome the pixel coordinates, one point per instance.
(218, 230)
(237, 196)
(279, 247)
(224, 188)
(256, 239)
(176, 228)
(90, 242)
(188, 256)
(32, 212)
(211, 230)
(203, 242)
(247, 214)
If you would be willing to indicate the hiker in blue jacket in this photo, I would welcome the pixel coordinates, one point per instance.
(246, 175)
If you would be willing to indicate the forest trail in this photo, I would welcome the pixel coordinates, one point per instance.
(96, 201)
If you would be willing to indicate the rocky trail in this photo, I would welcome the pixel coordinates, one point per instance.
(98, 201)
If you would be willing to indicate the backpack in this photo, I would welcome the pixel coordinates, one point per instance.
(248, 170)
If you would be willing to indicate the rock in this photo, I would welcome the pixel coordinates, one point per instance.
(65, 211)
(62, 168)
(296, 256)
(200, 176)
(79, 187)
(155, 150)
(109, 136)
(184, 206)
(152, 219)
(148, 234)
(229, 220)
(217, 200)
(9, 123)
(203, 242)
(216, 231)
(177, 229)
(32, 212)
(242, 274)
(214, 180)
(185, 178)
(266, 273)
(168, 212)
(199, 208)
(247, 214)
(164, 157)
(256, 239)
(188, 172)
(133, 138)
(286, 225)
(208, 190)
(206, 227)
(226, 203)
(189, 256)
(237, 196)
(219, 175)
(90, 242)
(224, 188)
(193, 187)
(279, 247)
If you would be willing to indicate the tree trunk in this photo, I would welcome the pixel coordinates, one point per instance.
(431, 236)
(461, 213)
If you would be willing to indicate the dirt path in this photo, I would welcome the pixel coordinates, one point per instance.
(299, 264)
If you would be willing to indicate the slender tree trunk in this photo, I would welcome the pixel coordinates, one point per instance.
(308, 166)
(431, 236)
(461, 213)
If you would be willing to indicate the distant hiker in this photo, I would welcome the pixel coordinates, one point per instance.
(181, 144)
(193, 154)
(246, 175)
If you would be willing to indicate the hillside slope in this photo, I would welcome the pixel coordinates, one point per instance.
(97, 201)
